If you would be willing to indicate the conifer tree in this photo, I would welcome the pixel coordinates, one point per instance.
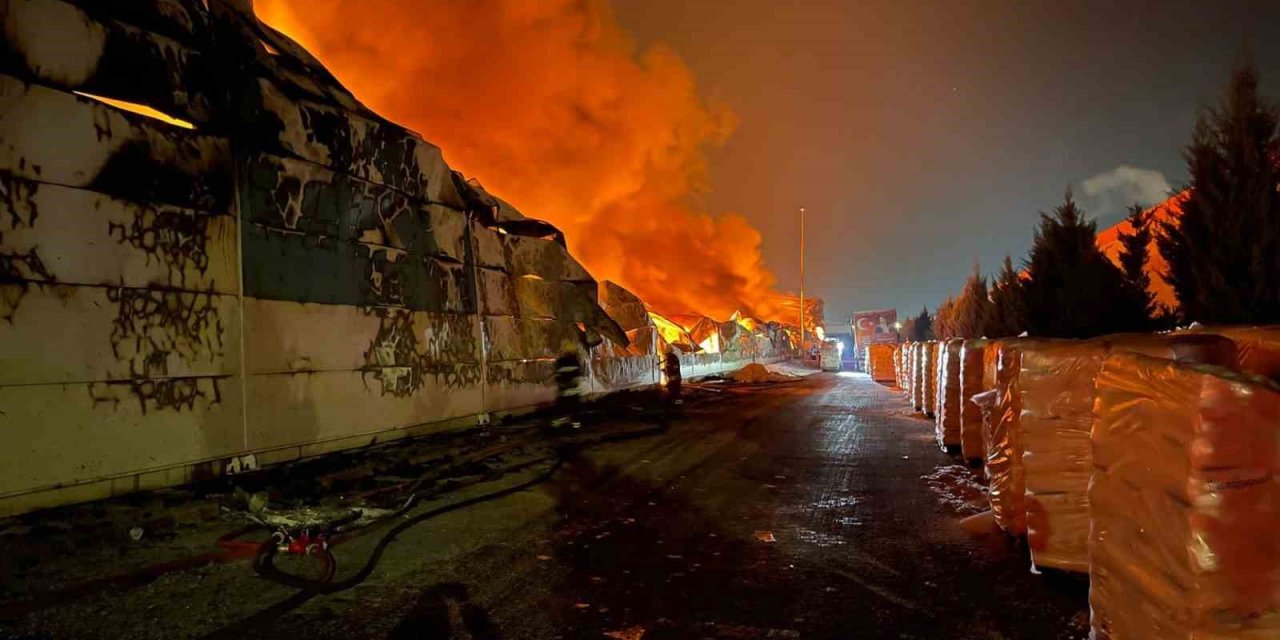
(922, 326)
(1224, 250)
(1133, 260)
(943, 327)
(973, 309)
(1073, 290)
(1008, 309)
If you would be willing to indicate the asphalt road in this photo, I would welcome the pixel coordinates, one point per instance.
(798, 510)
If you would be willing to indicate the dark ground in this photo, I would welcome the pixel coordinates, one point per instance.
(814, 509)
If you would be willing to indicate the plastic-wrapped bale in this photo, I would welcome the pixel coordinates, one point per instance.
(899, 351)
(1005, 478)
(1056, 384)
(973, 381)
(880, 362)
(1258, 349)
(947, 421)
(919, 360)
(930, 375)
(1185, 541)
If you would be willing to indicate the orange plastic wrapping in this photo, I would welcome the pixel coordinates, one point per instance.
(973, 381)
(880, 362)
(1057, 386)
(930, 363)
(897, 365)
(1005, 480)
(1057, 391)
(947, 418)
(1258, 349)
(913, 376)
(1185, 541)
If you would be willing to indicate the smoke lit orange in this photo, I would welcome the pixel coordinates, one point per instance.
(551, 106)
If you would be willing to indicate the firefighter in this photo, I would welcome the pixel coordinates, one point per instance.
(671, 369)
(568, 377)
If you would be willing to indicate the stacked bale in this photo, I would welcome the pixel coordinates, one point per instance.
(1056, 384)
(973, 381)
(929, 363)
(1258, 349)
(880, 362)
(1185, 540)
(919, 360)
(1003, 437)
(1057, 394)
(947, 424)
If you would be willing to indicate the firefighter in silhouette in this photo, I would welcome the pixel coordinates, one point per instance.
(568, 376)
(671, 369)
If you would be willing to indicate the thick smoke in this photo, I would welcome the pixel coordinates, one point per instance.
(551, 106)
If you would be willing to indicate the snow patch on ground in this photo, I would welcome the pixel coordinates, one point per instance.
(958, 488)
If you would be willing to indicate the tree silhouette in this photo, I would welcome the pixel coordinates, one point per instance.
(920, 328)
(1073, 290)
(1224, 250)
(1008, 307)
(1133, 260)
(943, 322)
(971, 314)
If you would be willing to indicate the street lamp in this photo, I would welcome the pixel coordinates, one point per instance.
(802, 282)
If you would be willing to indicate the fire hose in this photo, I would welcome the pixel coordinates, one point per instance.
(309, 588)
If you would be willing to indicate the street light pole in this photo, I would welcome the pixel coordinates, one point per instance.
(802, 283)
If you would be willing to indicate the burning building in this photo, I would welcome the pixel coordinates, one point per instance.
(213, 257)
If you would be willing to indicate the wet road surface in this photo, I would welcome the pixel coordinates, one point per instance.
(798, 510)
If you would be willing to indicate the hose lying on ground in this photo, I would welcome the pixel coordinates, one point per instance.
(308, 588)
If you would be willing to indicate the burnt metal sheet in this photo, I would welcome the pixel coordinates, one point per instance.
(52, 136)
(369, 149)
(623, 306)
(497, 293)
(449, 232)
(513, 385)
(297, 337)
(125, 425)
(306, 268)
(66, 333)
(178, 19)
(51, 233)
(490, 251)
(516, 338)
(544, 258)
(294, 195)
(106, 58)
(623, 372)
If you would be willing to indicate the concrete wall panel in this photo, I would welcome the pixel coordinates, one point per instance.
(297, 337)
(62, 434)
(298, 408)
(50, 233)
(63, 333)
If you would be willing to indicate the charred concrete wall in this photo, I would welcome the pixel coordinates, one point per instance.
(274, 271)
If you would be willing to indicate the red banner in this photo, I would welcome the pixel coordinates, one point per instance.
(870, 327)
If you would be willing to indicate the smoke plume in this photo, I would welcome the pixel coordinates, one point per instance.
(553, 108)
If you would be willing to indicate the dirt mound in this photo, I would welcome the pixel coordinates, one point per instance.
(758, 373)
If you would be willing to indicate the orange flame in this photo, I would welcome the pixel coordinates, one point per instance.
(552, 107)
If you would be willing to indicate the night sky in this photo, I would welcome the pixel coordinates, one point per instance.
(921, 136)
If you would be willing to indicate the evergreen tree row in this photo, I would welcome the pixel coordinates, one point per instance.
(1223, 251)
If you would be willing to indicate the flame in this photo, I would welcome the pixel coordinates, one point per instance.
(552, 107)
(140, 109)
